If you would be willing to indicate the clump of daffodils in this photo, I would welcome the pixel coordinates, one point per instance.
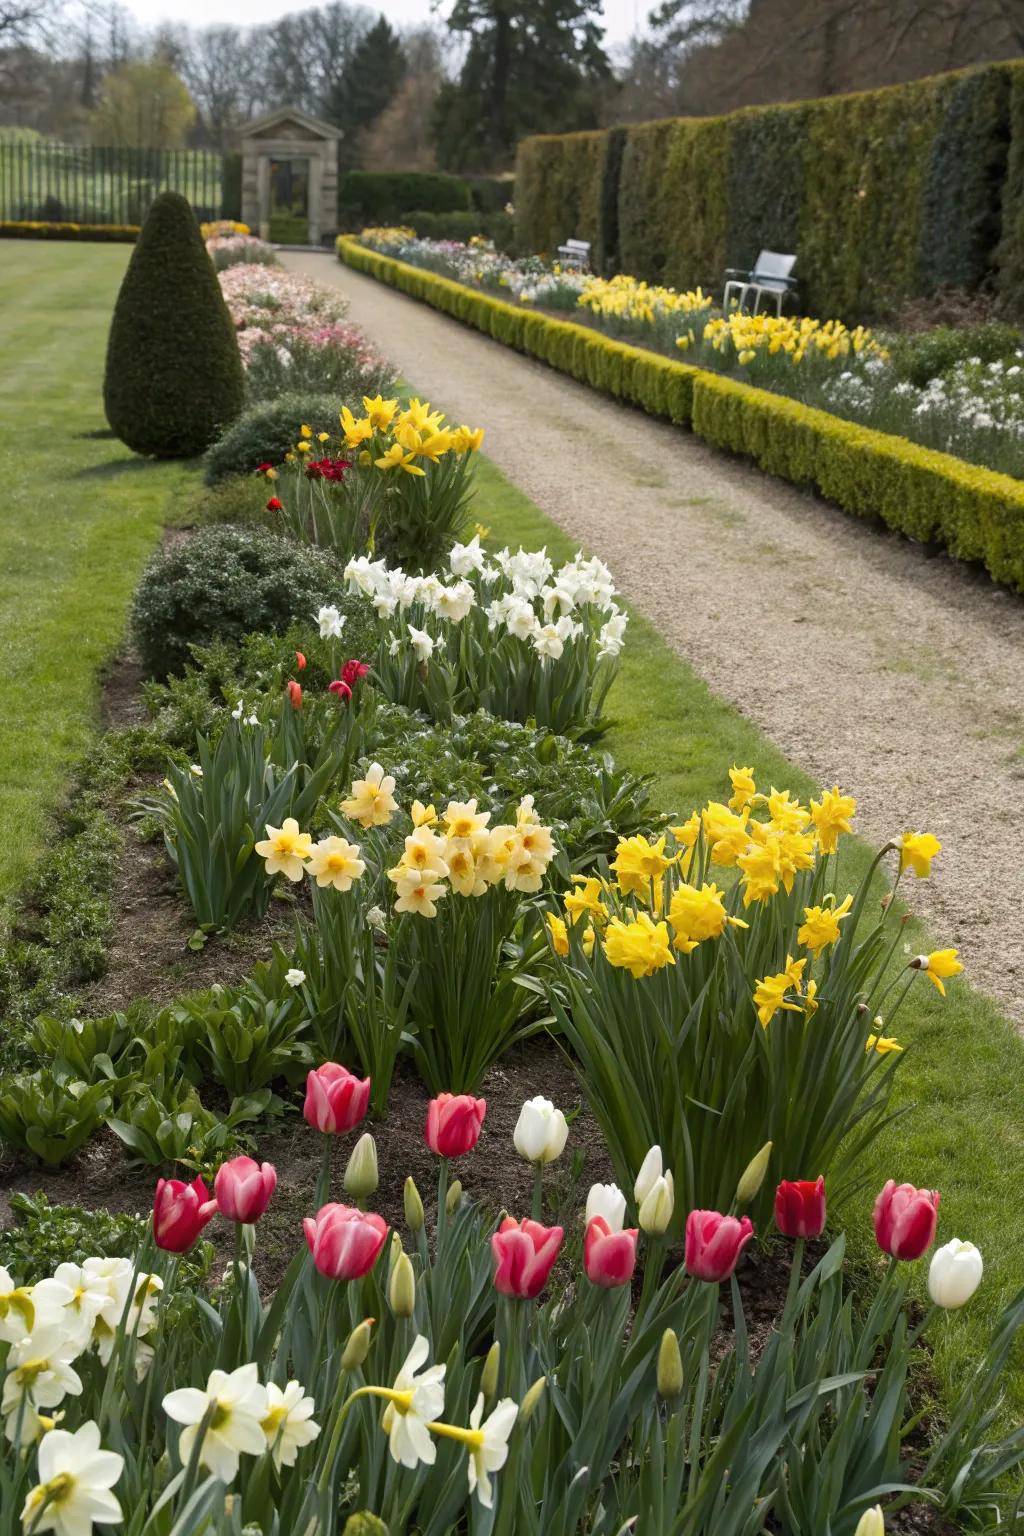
(627, 298)
(392, 439)
(744, 337)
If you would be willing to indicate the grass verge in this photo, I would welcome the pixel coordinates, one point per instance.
(80, 515)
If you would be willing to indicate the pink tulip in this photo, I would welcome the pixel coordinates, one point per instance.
(453, 1123)
(714, 1243)
(905, 1219)
(344, 1242)
(800, 1207)
(524, 1252)
(180, 1212)
(335, 1100)
(609, 1258)
(243, 1188)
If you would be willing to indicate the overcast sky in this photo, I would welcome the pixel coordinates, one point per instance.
(621, 16)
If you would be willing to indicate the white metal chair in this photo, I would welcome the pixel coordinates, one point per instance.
(771, 278)
(575, 253)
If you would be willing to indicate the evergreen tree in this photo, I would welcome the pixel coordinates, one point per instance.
(174, 376)
(531, 66)
(368, 82)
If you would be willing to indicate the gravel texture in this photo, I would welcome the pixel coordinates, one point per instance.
(871, 661)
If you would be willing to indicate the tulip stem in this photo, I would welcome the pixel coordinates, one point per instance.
(795, 1269)
(537, 1208)
(442, 1207)
(652, 1274)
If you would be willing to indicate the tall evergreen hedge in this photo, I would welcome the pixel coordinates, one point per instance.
(174, 376)
(883, 195)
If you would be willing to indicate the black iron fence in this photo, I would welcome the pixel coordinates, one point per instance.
(91, 184)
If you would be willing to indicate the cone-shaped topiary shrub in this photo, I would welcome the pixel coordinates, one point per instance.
(174, 375)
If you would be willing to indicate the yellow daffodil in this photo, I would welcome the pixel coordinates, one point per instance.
(832, 815)
(423, 850)
(334, 861)
(379, 412)
(419, 894)
(939, 966)
(285, 849)
(372, 801)
(586, 899)
(821, 925)
(304, 430)
(303, 447)
(743, 788)
(356, 432)
(323, 437)
(727, 834)
(398, 457)
(917, 849)
(882, 1045)
(770, 993)
(786, 814)
(696, 915)
(640, 947)
(761, 872)
(423, 815)
(462, 819)
(463, 874)
(559, 933)
(638, 862)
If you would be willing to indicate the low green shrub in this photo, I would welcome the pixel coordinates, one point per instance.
(383, 197)
(343, 366)
(265, 433)
(222, 583)
(235, 499)
(44, 1235)
(925, 356)
(461, 224)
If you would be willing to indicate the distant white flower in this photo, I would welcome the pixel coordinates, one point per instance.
(547, 642)
(331, 623)
(467, 558)
(236, 713)
(294, 977)
(395, 646)
(422, 643)
(75, 1479)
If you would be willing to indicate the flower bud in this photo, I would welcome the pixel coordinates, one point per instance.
(871, 1523)
(489, 1374)
(364, 1524)
(670, 1365)
(402, 1287)
(357, 1346)
(753, 1174)
(651, 1169)
(413, 1206)
(606, 1200)
(533, 1396)
(361, 1175)
(954, 1274)
(454, 1195)
(541, 1131)
(657, 1206)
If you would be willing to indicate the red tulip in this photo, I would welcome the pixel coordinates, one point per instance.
(243, 1188)
(275, 505)
(800, 1207)
(342, 689)
(353, 671)
(344, 1242)
(905, 1219)
(261, 469)
(335, 1100)
(295, 694)
(714, 1243)
(453, 1123)
(524, 1252)
(609, 1258)
(300, 661)
(180, 1212)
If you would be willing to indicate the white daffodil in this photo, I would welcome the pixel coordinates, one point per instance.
(39, 1373)
(289, 1423)
(548, 643)
(486, 1442)
(75, 1479)
(331, 622)
(75, 1299)
(606, 1200)
(455, 602)
(416, 1399)
(541, 1131)
(114, 1276)
(467, 558)
(17, 1308)
(239, 1406)
(422, 644)
(294, 977)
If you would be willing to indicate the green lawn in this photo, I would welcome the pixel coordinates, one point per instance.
(80, 514)
(964, 1063)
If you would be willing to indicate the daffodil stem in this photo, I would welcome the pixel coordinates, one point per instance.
(339, 1420)
(192, 1470)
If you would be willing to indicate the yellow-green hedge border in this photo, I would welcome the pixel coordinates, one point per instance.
(975, 513)
(40, 229)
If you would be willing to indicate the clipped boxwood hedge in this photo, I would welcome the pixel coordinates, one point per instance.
(975, 513)
(42, 229)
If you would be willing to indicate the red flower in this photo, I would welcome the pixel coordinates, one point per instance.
(243, 1188)
(453, 1123)
(905, 1219)
(336, 1101)
(524, 1253)
(274, 505)
(609, 1258)
(353, 672)
(800, 1207)
(327, 469)
(345, 1243)
(714, 1243)
(262, 469)
(180, 1212)
(295, 694)
(300, 661)
(341, 689)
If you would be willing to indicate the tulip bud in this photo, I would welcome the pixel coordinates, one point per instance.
(402, 1287)
(361, 1175)
(357, 1346)
(753, 1174)
(606, 1200)
(541, 1131)
(395, 1249)
(489, 1374)
(454, 1195)
(651, 1169)
(954, 1274)
(657, 1206)
(670, 1365)
(871, 1523)
(413, 1206)
(364, 1524)
(528, 1406)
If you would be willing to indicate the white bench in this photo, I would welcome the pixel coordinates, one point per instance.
(575, 253)
(771, 277)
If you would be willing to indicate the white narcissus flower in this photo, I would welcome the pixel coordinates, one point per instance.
(422, 643)
(651, 1169)
(416, 1399)
(606, 1200)
(487, 1443)
(75, 1479)
(75, 1299)
(18, 1309)
(331, 622)
(240, 1406)
(954, 1274)
(39, 1370)
(547, 642)
(294, 977)
(289, 1424)
(541, 1131)
(467, 558)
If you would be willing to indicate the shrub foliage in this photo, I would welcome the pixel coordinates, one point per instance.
(173, 376)
(265, 433)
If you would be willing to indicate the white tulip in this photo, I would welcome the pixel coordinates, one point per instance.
(541, 1131)
(657, 1206)
(294, 977)
(651, 1170)
(871, 1523)
(607, 1200)
(954, 1274)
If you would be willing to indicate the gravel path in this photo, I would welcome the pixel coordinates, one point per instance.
(898, 674)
